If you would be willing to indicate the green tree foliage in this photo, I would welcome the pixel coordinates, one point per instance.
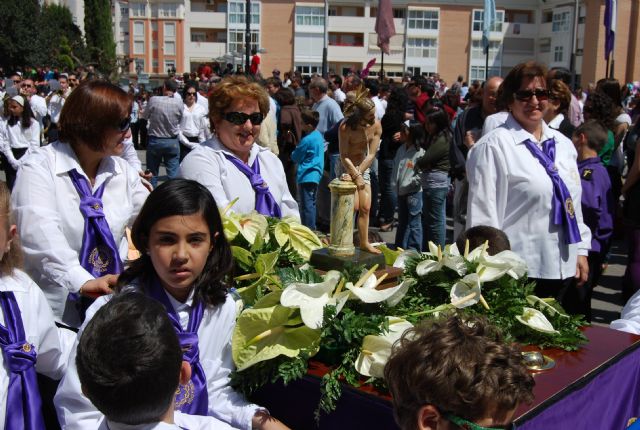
(18, 33)
(60, 39)
(101, 45)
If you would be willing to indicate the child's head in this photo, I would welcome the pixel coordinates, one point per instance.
(10, 250)
(436, 118)
(129, 360)
(452, 368)
(590, 133)
(478, 235)
(413, 133)
(180, 236)
(310, 119)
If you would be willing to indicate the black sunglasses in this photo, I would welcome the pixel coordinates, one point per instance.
(527, 95)
(239, 118)
(124, 124)
(191, 93)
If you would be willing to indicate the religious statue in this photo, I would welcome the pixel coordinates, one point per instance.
(359, 139)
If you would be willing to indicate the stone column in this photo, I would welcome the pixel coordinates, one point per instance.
(342, 202)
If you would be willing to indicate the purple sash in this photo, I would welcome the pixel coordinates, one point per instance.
(24, 406)
(562, 206)
(265, 202)
(193, 398)
(99, 253)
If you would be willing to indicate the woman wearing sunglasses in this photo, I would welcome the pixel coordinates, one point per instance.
(193, 122)
(523, 179)
(73, 199)
(232, 165)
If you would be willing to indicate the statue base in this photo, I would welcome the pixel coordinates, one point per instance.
(322, 259)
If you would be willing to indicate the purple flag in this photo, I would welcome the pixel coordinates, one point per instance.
(385, 26)
(610, 20)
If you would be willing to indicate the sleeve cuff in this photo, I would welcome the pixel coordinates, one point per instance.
(76, 278)
(583, 252)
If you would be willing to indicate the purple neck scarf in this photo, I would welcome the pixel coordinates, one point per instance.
(23, 398)
(265, 202)
(562, 206)
(99, 253)
(193, 398)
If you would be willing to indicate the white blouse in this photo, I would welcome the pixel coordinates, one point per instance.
(46, 205)
(40, 331)
(208, 165)
(510, 190)
(193, 124)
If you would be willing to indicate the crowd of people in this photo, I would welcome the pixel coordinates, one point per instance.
(524, 154)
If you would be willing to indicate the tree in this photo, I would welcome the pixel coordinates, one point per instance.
(98, 28)
(59, 38)
(18, 33)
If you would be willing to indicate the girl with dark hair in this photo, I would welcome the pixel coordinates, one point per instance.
(391, 123)
(74, 199)
(22, 136)
(435, 173)
(185, 259)
(407, 179)
(193, 122)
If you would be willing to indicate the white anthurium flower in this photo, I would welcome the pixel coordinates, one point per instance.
(403, 257)
(477, 253)
(366, 289)
(427, 266)
(312, 298)
(466, 292)
(493, 267)
(536, 320)
(453, 260)
(376, 350)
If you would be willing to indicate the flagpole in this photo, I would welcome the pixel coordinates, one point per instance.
(382, 66)
(486, 64)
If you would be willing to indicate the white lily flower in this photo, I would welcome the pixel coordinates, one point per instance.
(536, 320)
(478, 252)
(493, 267)
(466, 292)
(427, 266)
(403, 257)
(369, 294)
(453, 260)
(376, 350)
(312, 298)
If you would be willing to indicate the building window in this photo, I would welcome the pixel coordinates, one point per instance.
(124, 11)
(477, 73)
(139, 65)
(169, 66)
(547, 16)
(477, 52)
(168, 10)
(545, 44)
(423, 19)
(399, 13)
(138, 29)
(138, 47)
(308, 15)
(154, 65)
(154, 45)
(558, 52)
(307, 69)
(478, 16)
(415, 71)
(169, 48)
(236, 40)
(198, 36)
(236, 12)
(560, 22)
(138, 9)
(422, 48)
(346, 39)
(170, 30)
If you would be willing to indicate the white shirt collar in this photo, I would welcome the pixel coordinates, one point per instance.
(178, 306)
(217, 146)
(67, 160)
(9, 283)
(112, 425)
(555, 122)
(520, 134)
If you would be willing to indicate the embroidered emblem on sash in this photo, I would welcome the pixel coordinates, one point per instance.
(185, 394)
(99, 258)
(27, 347)
(586, 174)
(571, 211)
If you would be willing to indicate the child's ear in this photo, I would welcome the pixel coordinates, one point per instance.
(429, 418)
(13, 232)
(185, 373)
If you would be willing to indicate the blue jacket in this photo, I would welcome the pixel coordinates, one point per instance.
(309, 155)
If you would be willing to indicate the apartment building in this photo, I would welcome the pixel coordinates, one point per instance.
(432, 36)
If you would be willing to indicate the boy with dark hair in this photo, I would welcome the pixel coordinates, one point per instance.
(455, 373)
(478, 235)
(597, 207)
(130, 363)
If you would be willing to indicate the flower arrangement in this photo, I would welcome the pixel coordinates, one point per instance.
(291, 313)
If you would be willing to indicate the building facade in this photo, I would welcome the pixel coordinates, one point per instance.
(432, 36)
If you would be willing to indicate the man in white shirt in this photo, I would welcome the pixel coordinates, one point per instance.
(38, 104)
(335, 83)
(56, 102)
